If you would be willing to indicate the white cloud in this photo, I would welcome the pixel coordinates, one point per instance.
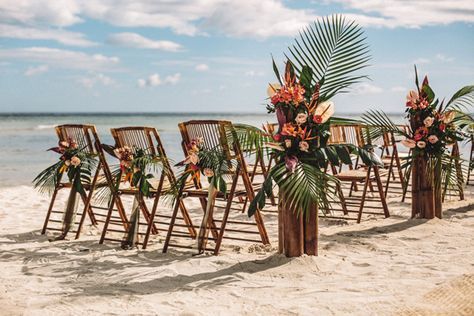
(45, 12)
(61, 58)
(254, 73)
(398, 89)
(137, 41)
(366, 88)
(155, 80)
(202, 67)
(31, 71)
(444, 58)
(90, 82)
(421, 61)
(30, 33)
(412, 14)
(264, 18)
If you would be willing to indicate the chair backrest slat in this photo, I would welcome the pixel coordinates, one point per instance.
(83, 135)
(138, 137)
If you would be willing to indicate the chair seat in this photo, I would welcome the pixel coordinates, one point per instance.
(358, 175)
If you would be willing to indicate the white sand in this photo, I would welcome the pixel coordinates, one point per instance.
(380, 267)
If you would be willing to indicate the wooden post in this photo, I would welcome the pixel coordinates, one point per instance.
(423, 195)
(297, 233)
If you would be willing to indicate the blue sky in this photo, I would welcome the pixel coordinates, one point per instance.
(213, 55)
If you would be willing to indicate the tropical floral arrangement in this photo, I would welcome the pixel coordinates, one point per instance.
(431, 122)
(136, 168)
(210, 163)
(322, 63)
(433, 126)
(78, 165)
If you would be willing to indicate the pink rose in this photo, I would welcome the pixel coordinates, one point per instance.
(428, 121)
(75, 161)
(433, 139)
(421, 144)
(208, 172)
(304, 146)
(288, 143)
(301, 118)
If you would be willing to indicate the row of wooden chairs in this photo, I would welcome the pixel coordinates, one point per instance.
(215, 225)
(178, 224)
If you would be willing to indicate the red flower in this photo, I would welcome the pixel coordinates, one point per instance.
(318, 119)
(277, 137)
(442, 127)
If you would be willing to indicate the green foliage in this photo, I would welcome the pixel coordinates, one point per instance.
(335, 50)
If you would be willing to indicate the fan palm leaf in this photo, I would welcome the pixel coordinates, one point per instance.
(335, 50)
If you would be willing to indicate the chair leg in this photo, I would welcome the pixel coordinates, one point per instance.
(152, 216)
(107, 219)
(50, 209)
(342, 198)
(230, 197)
(364, 193)
(382, 195)
(187, 220)
(173, 218)
(406, 182)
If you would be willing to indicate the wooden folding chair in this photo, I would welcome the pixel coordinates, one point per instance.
(357, 174)
(221, 136)
(471, 161)
(87, 139)
(455, 156)
(148, 140)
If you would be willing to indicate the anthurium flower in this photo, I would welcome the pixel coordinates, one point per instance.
(433, 139)
(272, 89)
(412, 99)
(428, 121)
(410, 143)
(324, 110)
(192, 158)
(290, 163)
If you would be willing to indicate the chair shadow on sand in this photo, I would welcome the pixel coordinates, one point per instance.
(347, 236)
(86, 262)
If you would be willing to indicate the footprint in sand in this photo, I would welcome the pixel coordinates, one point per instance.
(362, 265)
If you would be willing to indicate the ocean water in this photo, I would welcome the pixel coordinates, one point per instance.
(24, 138)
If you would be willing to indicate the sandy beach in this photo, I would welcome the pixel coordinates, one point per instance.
(394, 266)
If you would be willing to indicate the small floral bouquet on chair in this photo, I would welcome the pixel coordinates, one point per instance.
(78, 164)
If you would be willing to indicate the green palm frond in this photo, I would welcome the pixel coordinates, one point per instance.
(462, 100)
(380, 123)
(335, 49)
(250, 138)
(307, 186)
(47, 180)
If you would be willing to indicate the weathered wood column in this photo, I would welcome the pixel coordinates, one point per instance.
(297, 233)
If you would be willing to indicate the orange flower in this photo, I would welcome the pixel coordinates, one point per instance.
(289, 130)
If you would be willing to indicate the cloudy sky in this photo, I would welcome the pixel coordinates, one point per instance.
(213, 55)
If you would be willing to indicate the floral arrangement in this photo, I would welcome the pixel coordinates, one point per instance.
(210, 163)
(299, 143)
(78, 165)
(434, 125)
(303, 118)
(431, 122)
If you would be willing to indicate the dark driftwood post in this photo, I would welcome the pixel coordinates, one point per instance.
(297, 235)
